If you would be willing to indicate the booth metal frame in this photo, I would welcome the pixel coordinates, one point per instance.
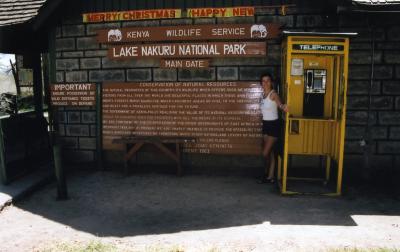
(336, 123)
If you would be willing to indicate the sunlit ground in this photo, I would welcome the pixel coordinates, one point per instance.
(157, 212)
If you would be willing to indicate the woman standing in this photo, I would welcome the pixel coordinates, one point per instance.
(271, 126)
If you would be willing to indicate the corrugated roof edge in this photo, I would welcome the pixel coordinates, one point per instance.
(330, 34)
(22, 13)
(376, 2)
(40, 18)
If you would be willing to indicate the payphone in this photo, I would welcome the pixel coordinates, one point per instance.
(315, 80)
(314, 77)
(315, 87)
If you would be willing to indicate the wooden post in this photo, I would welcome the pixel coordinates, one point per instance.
(62, 193)
(37, 84)
(3, 172)
(99, 128)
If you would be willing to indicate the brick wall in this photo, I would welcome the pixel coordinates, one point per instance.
(81, 59)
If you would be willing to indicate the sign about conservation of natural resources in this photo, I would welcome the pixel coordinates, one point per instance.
(224, 117)
(189, 32)
(188, 50)
(73, 94)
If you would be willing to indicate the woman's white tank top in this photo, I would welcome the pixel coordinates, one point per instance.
(269, 109)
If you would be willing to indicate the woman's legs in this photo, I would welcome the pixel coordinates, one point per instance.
(271, 165)
(268, 154)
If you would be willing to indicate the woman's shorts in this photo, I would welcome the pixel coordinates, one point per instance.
(271, 128)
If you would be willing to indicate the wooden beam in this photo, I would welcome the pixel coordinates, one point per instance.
(44, 13)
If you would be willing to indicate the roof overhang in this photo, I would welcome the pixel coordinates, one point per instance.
(30, 35)
(324, 34)
(371, 6)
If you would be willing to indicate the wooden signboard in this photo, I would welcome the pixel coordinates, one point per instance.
(131, 15)
(73, 94)
(224, 117)
(185, 50)
(184, 63)
(190, 32)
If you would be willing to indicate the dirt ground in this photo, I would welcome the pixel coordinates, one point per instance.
(196, 213)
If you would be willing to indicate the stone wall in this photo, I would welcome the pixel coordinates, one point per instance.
(379, 102)
(77, 131)
(81, 59)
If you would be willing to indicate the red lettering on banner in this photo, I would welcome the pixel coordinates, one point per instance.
(250, 11)
(94, 18)
(223, 11)
(243, 11)
(131, 15)
(235, 12)
(195, 13)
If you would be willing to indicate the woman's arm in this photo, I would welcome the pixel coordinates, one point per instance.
(275, 97)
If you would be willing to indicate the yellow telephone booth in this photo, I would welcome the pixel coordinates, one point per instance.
(314, 78)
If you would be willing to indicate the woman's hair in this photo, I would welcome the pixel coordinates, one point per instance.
(267, 75)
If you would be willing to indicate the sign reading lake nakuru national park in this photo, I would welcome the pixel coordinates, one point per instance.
(189, 32)
(188, 50)
(73, 94)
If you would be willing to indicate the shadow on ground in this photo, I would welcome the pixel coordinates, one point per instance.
(110, 204)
